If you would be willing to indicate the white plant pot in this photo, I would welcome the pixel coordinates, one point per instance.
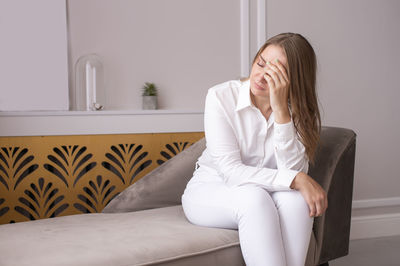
(149, 102)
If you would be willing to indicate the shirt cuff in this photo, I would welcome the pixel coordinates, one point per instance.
(284, 132)
(285, 177)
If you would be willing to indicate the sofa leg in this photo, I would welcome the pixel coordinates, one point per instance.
(324, 264)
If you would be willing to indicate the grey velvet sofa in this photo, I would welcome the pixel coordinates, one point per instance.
(145, 224)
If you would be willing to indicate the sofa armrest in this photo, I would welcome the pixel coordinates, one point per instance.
(334, 171)
(161, 187)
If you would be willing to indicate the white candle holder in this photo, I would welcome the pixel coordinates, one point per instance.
(89, 84)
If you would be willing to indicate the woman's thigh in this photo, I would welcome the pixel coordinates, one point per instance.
(215, 204)
(210, 204)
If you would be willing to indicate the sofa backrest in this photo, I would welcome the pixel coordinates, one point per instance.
(333, 143)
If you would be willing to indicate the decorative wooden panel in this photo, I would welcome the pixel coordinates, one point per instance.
(50, 176)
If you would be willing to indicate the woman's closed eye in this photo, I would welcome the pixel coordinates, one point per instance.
(260, 64)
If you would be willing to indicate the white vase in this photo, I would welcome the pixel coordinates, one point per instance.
(149, 102)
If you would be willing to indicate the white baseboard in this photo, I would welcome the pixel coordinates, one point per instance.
(375, 225)
(372, 203)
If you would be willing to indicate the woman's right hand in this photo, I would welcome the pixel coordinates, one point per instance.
(312, 192)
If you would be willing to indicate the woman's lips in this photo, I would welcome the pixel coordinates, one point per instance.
(258, 87)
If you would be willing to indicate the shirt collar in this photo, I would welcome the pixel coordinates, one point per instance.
(244, 99)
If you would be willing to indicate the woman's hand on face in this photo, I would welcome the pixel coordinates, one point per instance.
(313, 193)
(278, 83)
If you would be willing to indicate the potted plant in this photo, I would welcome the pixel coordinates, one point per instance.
(149, 96)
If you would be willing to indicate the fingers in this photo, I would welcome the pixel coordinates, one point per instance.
(319, 207)
(316, 208)
(313, 210)
(277, 75)
(273, 72)
(321, 204)
(270, 81)
(282, 69)
(317, 201)
(278, 69)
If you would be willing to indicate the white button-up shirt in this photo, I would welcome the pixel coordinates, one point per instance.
(242, 146)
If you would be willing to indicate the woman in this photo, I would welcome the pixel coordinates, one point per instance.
(261, 133)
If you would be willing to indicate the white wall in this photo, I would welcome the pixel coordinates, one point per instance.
(33, 55)
(183, 46)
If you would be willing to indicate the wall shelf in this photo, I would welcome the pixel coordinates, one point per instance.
(48, 123)
(100, 113)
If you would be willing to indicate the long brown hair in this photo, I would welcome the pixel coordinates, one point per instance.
(303, 102)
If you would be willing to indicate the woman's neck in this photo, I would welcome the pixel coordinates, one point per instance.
(262, 103)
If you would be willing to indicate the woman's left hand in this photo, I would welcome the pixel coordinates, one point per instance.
(278, 83)
(312, 192)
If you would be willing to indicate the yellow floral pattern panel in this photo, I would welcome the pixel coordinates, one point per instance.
(50, 176)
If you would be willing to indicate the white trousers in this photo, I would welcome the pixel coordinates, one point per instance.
(274, 227)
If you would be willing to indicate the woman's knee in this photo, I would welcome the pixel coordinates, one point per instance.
(292, 201)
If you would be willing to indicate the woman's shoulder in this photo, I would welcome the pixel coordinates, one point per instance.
(226, 88)
(226, 94)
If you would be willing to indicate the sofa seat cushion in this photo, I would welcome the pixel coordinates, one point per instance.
(160, 236)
